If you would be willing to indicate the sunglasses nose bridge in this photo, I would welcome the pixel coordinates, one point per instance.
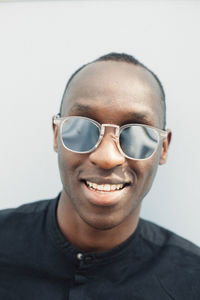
(107, 154)
(117, 129)
(115, 136)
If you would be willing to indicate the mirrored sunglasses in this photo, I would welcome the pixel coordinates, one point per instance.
(83, 135)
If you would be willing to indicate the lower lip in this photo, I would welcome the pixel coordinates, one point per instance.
(100, 198)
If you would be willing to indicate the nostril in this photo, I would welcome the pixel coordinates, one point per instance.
(106, 159)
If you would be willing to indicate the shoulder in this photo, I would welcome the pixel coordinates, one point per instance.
(19, 222)
(36, 207)
(176, 261)
(164, 238)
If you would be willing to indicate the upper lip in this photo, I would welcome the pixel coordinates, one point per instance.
(100, 180)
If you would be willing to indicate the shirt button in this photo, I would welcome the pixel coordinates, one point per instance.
(88, 259)
(79, 256)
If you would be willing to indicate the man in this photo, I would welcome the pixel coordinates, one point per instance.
(89, 243)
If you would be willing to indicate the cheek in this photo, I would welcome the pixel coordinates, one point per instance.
(67, 160)
(146, 171)
(69, 166)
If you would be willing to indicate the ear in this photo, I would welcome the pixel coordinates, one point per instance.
(55, 138)
(165, 146)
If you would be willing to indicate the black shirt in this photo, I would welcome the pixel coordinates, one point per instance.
(37, 262)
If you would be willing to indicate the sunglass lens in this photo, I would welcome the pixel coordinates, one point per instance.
(138, 142)
(79, 134)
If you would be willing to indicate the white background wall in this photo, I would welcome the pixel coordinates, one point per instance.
(43, 42)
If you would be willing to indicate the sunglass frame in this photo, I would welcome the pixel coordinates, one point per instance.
(59, 121)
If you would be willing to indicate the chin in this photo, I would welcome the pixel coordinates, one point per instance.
(102, 226)
(103, 223)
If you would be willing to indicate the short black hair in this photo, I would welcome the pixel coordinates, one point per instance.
(123, 57)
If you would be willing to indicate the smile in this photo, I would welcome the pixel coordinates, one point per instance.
(104, 187)
(104, 193)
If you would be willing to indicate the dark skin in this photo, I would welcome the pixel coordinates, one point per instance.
(115, 93)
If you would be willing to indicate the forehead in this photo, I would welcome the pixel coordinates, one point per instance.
(114, 92)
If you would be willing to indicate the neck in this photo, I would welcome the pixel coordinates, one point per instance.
(86, 237)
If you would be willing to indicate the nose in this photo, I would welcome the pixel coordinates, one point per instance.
(107, 154)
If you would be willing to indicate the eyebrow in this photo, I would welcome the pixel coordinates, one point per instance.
(81, 108)
(138, 117)
(131, 117)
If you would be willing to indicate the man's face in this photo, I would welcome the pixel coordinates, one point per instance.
(111, 93)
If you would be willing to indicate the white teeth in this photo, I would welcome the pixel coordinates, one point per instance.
(94, 185)
(104, 187)
(113, 187)
(107, 187)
